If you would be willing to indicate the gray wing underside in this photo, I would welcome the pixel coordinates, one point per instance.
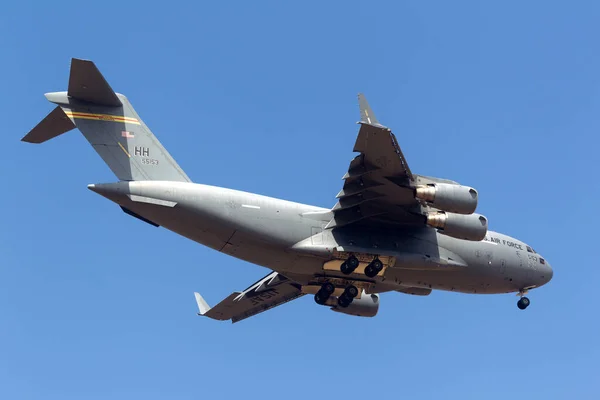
(269, 292)
(378, 187)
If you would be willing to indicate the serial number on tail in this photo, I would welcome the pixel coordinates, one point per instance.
(149, 161)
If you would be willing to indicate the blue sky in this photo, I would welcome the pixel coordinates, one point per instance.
(261, 96)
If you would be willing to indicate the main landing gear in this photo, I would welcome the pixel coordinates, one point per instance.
(371, 270)
(345, 298)
(523, 302)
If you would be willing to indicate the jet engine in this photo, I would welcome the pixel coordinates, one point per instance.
(452, 198)
(366, 306)
(469, 227)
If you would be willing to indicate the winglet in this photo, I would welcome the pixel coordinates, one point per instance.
(220, 312)
(203, 306)
(367, 116)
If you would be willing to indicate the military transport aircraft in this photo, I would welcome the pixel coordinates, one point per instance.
(391, 229)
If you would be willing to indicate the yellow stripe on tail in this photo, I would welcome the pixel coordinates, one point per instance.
(101, 117)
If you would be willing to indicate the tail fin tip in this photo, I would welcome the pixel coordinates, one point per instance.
(88, 84)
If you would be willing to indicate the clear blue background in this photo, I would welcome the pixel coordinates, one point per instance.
(261, 96)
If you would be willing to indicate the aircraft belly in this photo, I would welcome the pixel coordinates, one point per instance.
(216, 235)
(249, 248)
(253, 228)
(186, 223)
(454, 281)
(420, 261)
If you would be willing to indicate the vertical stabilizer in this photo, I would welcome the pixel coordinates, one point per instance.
(110, 124)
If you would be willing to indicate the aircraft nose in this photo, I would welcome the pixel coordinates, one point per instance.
(546, 272)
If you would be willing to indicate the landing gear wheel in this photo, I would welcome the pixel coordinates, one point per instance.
(349, 265)
(321, 298)
(352, 262)
(328, 288)
(351, 292)
(523, 303)
(323, 294)
(344, 301)
(374, 268)
(345, 268)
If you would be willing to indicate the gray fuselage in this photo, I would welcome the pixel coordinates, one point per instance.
(290, 238)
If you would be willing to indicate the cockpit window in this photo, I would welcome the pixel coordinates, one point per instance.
(529, 249)
(542, 260)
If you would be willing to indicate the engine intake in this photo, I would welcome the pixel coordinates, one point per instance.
(452, 198)
(469, 227)
(366, 306)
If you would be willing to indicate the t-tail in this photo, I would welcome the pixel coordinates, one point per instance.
(111, 125)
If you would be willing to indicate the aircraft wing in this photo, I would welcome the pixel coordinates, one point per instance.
(379, 185)
(269, 292)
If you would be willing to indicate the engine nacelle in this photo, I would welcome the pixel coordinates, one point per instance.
(366, 306)
(452, 198)
(469, 227)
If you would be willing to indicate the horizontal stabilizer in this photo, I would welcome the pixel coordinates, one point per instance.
(56, 123)
(87, 83)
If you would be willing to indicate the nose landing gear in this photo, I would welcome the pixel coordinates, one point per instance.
(523, 302)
